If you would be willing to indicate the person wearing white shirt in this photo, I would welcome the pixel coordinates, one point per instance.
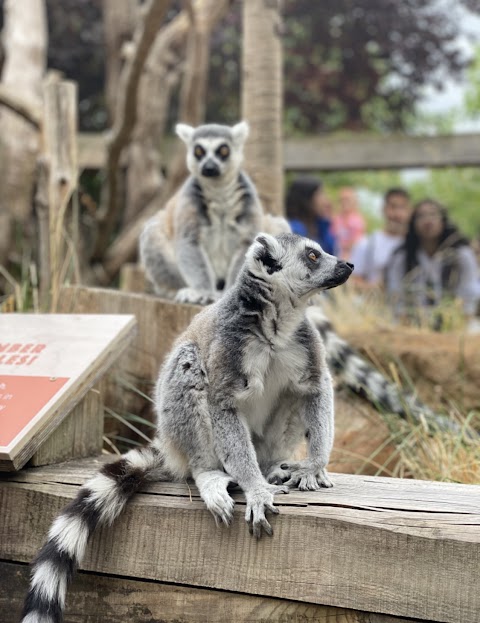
(372, 253)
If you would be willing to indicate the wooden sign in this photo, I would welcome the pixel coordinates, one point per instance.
(47, 364)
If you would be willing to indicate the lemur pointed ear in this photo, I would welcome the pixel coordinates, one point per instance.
(184, 131)
(266, 247)
(240, 132)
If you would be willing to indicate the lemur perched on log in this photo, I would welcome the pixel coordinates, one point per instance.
(243, 385)
(192, 251)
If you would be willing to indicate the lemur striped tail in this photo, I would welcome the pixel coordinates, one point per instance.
(361, 377)
(99, 501)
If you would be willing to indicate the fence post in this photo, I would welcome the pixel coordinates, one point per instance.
(60, 152)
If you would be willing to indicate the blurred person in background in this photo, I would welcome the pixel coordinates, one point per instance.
(309, 212)
(349, 223)
(435, 263)
(371, 254)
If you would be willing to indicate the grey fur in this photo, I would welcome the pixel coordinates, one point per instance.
(242, 386)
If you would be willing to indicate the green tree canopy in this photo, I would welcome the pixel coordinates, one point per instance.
(351, 64)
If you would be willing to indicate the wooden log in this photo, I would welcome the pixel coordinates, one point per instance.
(159, 323)
(103, 599)
(79, 435)
(399, 547)
(397, 151)
(60, 151)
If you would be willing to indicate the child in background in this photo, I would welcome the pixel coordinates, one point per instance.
(349, 223)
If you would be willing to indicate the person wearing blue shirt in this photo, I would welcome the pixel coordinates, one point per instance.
(308, 212)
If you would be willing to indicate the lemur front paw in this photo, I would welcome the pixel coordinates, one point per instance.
(309, 477)
(192, 296)
(281, 472)
(259, 501)
(220, 504)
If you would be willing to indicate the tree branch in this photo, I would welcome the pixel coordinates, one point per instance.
(23, 108)
(126, 116)
(207, 13)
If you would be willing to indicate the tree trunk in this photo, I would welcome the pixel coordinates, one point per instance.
(25, 44)
(262, 99)
(160, 76)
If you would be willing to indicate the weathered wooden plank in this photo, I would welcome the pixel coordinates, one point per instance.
(59, 137)
(360, 152)
(159, 323)
(92, 150)
(343, 153)
(79, 435)
(102, 599)
(369, 492)
(347, 550)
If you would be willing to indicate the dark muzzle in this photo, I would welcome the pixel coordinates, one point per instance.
(210, 169)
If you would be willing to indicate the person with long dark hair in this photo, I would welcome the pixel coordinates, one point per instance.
(308, 212)
(435, 263)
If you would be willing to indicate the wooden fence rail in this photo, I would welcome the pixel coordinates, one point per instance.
(341, 153)
(372, 545)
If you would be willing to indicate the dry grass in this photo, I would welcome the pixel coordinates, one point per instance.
(420, 452)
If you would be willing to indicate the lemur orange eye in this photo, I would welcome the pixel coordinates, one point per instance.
(198, 152)
(223, 151)
(313, 255)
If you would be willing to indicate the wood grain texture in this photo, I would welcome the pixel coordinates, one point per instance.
(102, 599)
(404, 548)
(79, 435)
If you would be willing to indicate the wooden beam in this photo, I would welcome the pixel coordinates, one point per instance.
(109, 599)
(399, 547)
(341, 153)
(345, 153)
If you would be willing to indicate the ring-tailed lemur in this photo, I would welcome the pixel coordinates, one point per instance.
(244, 384)
(193, 248)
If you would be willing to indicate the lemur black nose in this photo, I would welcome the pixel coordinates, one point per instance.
(210, 169)
(350, 265)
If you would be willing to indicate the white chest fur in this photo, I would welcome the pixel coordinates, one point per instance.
(225, 230)
(269, 373)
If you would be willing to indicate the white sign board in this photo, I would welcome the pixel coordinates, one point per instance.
(47, 364)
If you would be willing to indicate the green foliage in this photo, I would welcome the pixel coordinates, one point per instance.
(472, 98)
(348, 64)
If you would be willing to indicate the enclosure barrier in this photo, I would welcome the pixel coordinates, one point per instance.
(370, 545)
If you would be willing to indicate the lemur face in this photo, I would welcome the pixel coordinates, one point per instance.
(296, 264)
(214, 151)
